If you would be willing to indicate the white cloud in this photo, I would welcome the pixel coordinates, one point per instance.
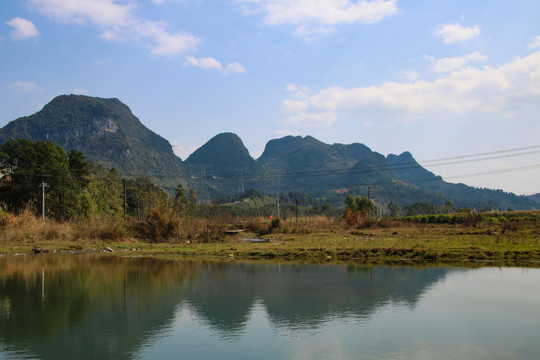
(178, 150)
(294, 105)
(110, 36)
(286, 132)
(204, 63)
(306, 13)
(535, 43)
(305, 31)
(22, 29)
(23, 86)
(118, 21)
(455, 32)
(167, 44)
(210, 63)
(78, 91)
(102, 12)
(448, 64)
(301, 92)
(291, 87)
(236, 68)
(505, 89)
(312, 119)
(410, 75)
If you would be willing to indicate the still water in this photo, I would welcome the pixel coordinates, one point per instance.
(103, 307)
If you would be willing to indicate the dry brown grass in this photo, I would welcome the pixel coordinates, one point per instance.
(104, 229)
(27, 228)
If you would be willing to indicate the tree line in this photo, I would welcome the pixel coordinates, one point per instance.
(74, 187)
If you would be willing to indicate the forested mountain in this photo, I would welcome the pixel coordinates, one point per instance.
(108, 134)
(105, 131)
(312, 166)
(222, 163)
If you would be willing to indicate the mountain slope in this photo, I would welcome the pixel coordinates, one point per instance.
(224, 154)
(406, 169)
(105, 130)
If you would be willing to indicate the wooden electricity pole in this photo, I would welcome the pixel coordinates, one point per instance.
(43, 185)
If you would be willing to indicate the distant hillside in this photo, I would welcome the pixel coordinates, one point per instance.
(535, 198)
(104, 130)
(408, 170)
(329, 171)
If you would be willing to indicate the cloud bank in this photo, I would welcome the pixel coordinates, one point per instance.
(319, 16)
(118, 22)
(494, 90)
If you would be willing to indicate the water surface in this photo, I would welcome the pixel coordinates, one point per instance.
(92, 306)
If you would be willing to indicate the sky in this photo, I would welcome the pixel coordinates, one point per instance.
(456, 83)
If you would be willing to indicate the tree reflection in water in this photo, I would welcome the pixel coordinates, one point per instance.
(107, 307)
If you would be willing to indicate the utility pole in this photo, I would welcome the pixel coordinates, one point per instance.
(43, 185)
(241, 185)
(296, 212)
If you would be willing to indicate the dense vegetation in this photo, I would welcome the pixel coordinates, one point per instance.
(71, 186)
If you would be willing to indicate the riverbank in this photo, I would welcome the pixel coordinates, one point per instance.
(446, 243)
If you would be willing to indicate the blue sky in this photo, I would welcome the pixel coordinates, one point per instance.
(440, 79)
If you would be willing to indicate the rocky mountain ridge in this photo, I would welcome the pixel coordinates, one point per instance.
(108, 133)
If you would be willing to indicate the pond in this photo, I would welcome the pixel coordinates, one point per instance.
(108, 307)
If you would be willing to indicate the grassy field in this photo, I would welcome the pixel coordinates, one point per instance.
(496, 238)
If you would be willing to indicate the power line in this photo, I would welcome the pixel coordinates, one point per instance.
(358, 169)
(339, 171)
(482, 154)
(485, 158)
(502, 171)
(374, 183)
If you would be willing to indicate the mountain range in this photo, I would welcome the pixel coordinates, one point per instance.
(107, 132)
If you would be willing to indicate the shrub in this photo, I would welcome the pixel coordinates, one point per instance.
(161, 225)
(274, 224)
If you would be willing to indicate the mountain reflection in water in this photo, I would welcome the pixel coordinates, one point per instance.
(92, 306)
